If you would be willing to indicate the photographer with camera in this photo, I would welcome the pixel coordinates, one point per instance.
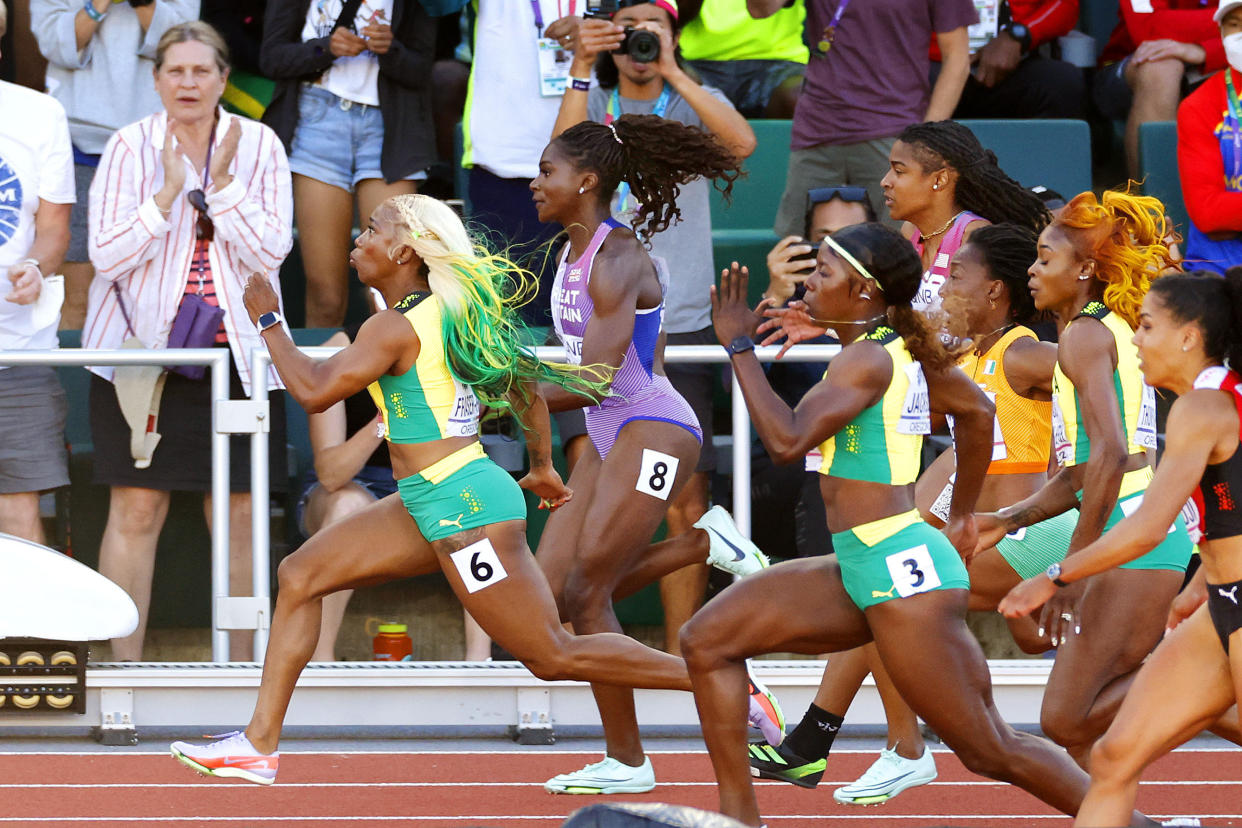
(100, 62)
(632, 46)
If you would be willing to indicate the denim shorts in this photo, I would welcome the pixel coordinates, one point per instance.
(338, 142)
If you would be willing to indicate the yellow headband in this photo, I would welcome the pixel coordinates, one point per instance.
(857, 265)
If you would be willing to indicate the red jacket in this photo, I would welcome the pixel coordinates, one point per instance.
(1199, 119)
(1047, 20)
(1187, 21)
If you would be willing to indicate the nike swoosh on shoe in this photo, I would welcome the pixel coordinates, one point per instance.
(739, 554)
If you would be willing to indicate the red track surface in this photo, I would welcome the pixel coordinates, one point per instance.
(504, 789)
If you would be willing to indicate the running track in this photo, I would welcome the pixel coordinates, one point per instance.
(432, 788)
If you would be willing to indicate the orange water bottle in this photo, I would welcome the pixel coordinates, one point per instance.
(391, 643)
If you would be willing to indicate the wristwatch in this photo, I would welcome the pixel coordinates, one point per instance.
(1054, 574)
(269, 319)
(1020, 33)
(740, 345)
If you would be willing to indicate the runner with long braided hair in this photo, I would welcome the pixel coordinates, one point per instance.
(607, 304)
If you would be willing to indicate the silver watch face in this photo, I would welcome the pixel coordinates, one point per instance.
(1054, 571)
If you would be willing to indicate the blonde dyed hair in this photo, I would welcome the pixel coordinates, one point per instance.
(479, 292)
(1126, 235)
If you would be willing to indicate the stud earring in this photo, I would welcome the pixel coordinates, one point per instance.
(1185, 347)
(935, 186)
(1083, 278)
(581, 190)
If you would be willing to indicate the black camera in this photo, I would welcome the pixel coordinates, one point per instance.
(641, 45)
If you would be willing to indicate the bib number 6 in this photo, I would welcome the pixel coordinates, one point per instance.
(478, 565)
(913, 571)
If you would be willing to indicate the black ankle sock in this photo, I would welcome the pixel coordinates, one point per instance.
(812, 738)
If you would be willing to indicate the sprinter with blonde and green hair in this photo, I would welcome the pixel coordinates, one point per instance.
(448, 341)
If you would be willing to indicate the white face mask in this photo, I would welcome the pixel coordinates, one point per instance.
(1233, 50)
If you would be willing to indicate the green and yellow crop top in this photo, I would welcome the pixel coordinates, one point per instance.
(1135, 397)
(884, 442)
(427, 402)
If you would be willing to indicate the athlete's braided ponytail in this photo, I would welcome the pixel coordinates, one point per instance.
(982, 187)
(655, 156)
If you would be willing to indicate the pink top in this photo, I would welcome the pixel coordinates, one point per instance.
(928, 297)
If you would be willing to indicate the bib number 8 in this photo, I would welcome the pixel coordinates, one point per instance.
(657, 473)
(913, 571)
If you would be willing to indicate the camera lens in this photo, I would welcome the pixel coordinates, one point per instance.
(641, 46)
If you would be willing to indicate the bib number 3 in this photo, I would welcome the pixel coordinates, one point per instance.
(478, 565)
(657, 473)
(913, 571)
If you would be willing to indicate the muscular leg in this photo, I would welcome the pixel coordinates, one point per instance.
(800, 606)
(323, 509)
(939, 669)
(604, 553)
(682, 591)
(394, 549)
(1122, 615)
(991, 578)
(127, 554)
(1182, 688)
(535, 635)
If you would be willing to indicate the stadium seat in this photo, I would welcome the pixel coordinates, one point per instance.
(1053, 152)
(1158, 169)
(742, 228)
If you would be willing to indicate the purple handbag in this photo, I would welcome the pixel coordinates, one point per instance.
(194, 326)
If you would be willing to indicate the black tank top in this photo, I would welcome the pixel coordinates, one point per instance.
(1219, 496)
(360, 412)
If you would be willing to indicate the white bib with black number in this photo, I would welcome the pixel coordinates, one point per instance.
(657, 473)
(478, 565)
(913, 571)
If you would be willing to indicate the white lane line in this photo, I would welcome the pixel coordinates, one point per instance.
(416, 751)
(543, 818)
(206, 785)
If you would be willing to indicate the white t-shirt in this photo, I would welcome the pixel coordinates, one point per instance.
(508, 120)
(352, 78)
(36, 162)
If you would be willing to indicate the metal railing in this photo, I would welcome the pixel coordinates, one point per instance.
(260, 360)
(228, 417)
(231, 417)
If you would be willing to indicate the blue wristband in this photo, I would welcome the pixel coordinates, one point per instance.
(580, 84)
(89, 8)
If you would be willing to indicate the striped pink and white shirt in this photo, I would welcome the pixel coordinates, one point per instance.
(149, 257)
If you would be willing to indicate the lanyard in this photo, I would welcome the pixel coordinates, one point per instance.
(534, 7)
(829, 34)
(613, 111)
(211, 143)
(1235, 114)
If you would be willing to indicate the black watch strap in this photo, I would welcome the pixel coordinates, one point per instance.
(741, 345)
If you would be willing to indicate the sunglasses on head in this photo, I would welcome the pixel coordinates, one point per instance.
(204, 227)
(819, 195)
